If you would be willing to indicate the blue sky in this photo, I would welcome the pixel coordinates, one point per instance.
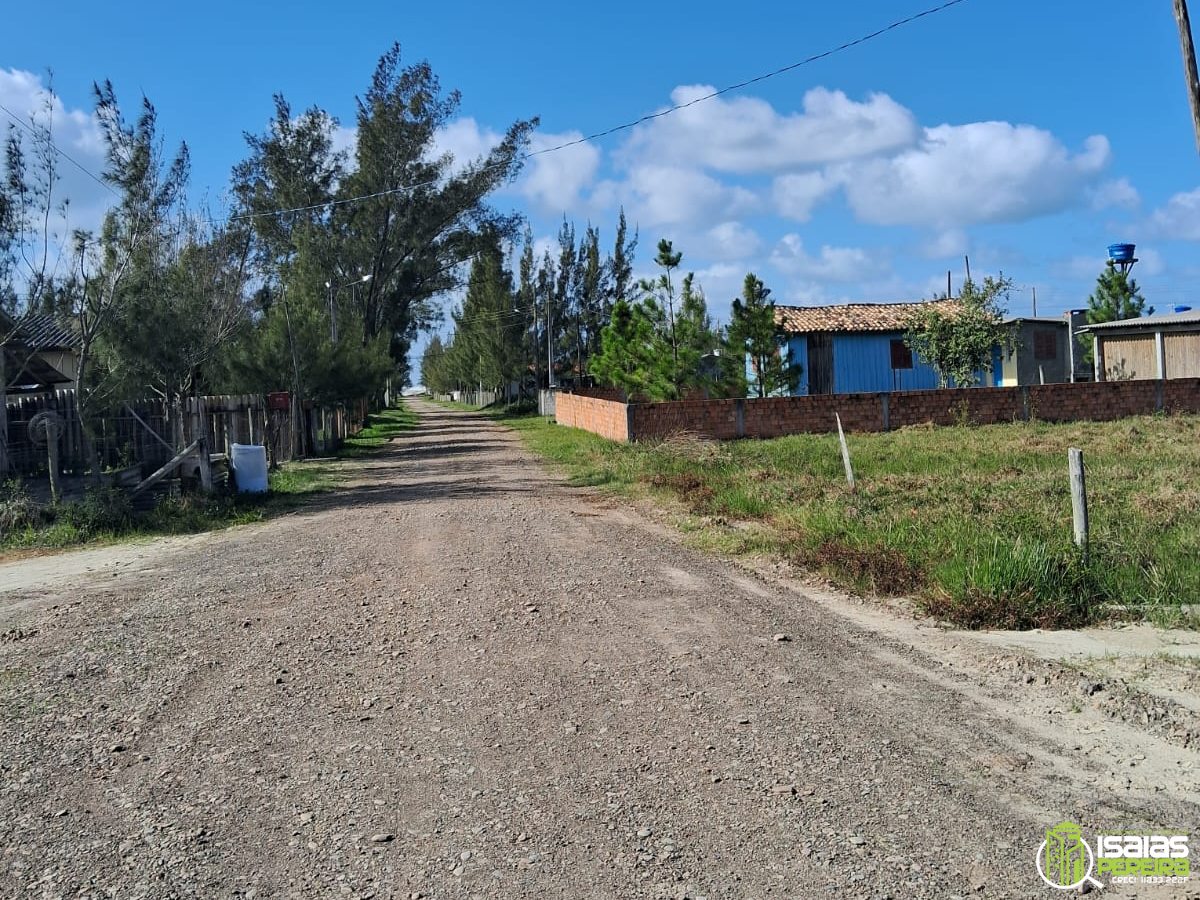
(1029, 135)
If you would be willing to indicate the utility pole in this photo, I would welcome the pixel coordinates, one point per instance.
(297, 394)
(549, 343)
(1189, 64)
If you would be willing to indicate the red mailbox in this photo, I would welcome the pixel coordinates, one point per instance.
(279, 400)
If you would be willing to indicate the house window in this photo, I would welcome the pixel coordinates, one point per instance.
(1045, 345)
(901, 355)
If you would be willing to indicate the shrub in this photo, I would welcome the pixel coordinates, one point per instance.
(103, 510)
(18, 511)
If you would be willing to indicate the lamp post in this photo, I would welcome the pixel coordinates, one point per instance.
(333, 289)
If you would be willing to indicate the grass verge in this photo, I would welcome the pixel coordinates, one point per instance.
(973, 522)
(105, 515)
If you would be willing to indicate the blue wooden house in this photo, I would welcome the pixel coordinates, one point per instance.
(857, 347)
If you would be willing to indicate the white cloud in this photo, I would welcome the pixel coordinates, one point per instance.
(76, 133)
(797, 195)
(1078, 267)
(951, 242)
(721, 282)
(345, 140)
(465, 141)
(656, 195)
(1179, 220)
(891, 171)
(966, 174)
(832, 264)
(1150, 262)
(727, 241)
(554, 182)
(1118, 194)
(746, 135)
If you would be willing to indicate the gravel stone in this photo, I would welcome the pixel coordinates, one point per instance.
(458, 649)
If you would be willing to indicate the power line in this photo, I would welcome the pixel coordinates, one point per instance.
(59, 151)
(900, 23)
(627, 125)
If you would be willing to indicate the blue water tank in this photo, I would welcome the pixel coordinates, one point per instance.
(1121, 252)
(1179, 307)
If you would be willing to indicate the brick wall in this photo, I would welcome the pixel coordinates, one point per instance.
(777, 416)
(715, 419)
(1181, 395)
(977, 406)
(606, 418)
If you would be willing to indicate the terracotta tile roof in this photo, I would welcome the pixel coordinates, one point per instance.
(854, 316)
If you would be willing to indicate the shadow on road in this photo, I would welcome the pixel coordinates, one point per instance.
(449, 454)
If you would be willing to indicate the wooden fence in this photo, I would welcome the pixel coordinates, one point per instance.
(148, 433)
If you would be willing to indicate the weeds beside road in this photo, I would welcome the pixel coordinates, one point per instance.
(105, 515)
(974, 522)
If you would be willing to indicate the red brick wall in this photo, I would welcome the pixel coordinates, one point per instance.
(977, 406)
(776, 416)
(1099, 401)
(715, 419)
(606, 418)
(1181, 395)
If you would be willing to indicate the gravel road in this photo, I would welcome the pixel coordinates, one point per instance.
(459, 677)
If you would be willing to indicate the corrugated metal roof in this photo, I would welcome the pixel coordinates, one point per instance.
(855, 316)
(1035, 320)
(38, 332)
(1190, 317)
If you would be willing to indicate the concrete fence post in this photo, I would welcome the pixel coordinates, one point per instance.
(739, 411)
(629, 433)
(885, 412)
(1079, 510)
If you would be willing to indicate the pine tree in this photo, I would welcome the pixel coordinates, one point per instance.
(1117, 296)
(754, 334)
(634, 356)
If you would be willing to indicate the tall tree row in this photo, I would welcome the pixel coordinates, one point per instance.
(318, 279)
(553, 312)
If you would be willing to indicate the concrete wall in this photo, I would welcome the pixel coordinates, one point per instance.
(777, 416)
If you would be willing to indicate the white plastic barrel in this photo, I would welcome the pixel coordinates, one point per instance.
(249, 462)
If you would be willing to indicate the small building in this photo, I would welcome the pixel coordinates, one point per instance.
(1042, 352)
(856, 347)
(40, 354)
(1149, 347)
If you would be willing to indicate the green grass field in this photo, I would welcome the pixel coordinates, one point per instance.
(973, 522)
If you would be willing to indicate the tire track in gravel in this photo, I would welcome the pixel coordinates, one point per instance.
(459, 677)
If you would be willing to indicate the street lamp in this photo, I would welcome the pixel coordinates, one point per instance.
(333, 289)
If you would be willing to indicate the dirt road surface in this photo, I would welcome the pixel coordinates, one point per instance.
(459, 677)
